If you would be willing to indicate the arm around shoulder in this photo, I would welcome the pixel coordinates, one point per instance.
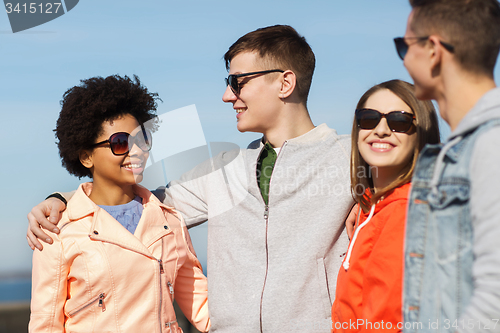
(46, 214)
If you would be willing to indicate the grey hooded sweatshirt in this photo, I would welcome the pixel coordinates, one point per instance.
(272, 268)
(483, 311)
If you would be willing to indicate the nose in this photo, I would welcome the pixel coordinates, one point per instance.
(382, 129)
(134, 149)
(229, 96)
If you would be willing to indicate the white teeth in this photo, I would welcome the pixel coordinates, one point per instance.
(239, 110)
(379, 145)
(132, 166)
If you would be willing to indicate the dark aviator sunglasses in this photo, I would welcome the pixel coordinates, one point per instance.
(402, 46)
(398, 121)
(120, 143)
(232, 79)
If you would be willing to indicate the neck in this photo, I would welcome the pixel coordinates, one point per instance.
(110, 194)
(383, 177)
(459, 93)
(293, 121)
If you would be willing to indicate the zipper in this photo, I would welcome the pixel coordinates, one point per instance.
(171, 288)
(170, 324)
(266, 219)
(161, 266)
(101, 304)
(160, 263)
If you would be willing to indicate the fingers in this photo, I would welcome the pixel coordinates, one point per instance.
(51, 208)
(55, 215)
(350, 230)
(35, 232)
(33, 241)
(37, 219)
(350, 221)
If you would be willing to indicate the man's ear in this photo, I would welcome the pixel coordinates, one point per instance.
(86, 158)
(436, 51)
(288, 84)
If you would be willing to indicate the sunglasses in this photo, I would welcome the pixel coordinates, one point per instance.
(232, 79)
(402, 46)
(398, 121)
(121, 142)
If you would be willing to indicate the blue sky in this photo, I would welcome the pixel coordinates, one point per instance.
(176, 49)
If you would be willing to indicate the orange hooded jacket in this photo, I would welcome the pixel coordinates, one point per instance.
(369, 283)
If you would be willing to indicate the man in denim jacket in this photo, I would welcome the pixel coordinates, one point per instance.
(452, 247)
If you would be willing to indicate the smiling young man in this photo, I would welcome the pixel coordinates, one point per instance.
(452, 254)
(276, 210)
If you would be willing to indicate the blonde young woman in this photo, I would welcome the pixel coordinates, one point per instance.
(390, 128)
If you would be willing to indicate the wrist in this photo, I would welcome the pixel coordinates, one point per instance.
(58, 196)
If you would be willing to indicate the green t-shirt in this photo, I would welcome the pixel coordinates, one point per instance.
(265, 167)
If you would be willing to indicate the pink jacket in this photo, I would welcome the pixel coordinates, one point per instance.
(98, 277)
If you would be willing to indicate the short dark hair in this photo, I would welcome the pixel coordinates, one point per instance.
(84, 109)
(280, 47)
(471, 26)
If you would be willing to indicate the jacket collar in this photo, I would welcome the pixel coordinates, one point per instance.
(318, 133)
(399, 193)
(152, 226)
(487, 108)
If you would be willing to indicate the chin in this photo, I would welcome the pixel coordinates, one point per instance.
(242, 128)
(422, 93)
(138, 179)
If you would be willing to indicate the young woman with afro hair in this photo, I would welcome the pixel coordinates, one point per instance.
(121, 255)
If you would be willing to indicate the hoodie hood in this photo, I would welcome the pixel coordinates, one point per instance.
(487, 108)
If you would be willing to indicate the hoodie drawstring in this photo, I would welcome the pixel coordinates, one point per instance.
(349, 251)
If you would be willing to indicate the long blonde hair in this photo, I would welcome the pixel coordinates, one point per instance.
(426, 124)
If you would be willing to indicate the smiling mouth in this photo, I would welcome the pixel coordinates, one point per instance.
(381, 145)
(132, 166)
(238, 111)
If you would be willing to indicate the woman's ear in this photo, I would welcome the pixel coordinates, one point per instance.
(288, 84)
(86, 159)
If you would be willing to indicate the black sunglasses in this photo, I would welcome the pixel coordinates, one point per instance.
(402, 46)
(398, 121)
(232, 79)
(121, 142)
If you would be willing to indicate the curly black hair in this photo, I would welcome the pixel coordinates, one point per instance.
(84, 109)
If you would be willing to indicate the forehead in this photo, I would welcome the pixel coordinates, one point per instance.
(409, 30)
(386, 101)
(126, 123)
(245, 62)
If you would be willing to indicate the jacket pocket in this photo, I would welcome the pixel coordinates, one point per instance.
(451, 224)
(323, 287)
(97, 300)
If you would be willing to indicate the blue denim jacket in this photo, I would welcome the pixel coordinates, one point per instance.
(438, 280)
